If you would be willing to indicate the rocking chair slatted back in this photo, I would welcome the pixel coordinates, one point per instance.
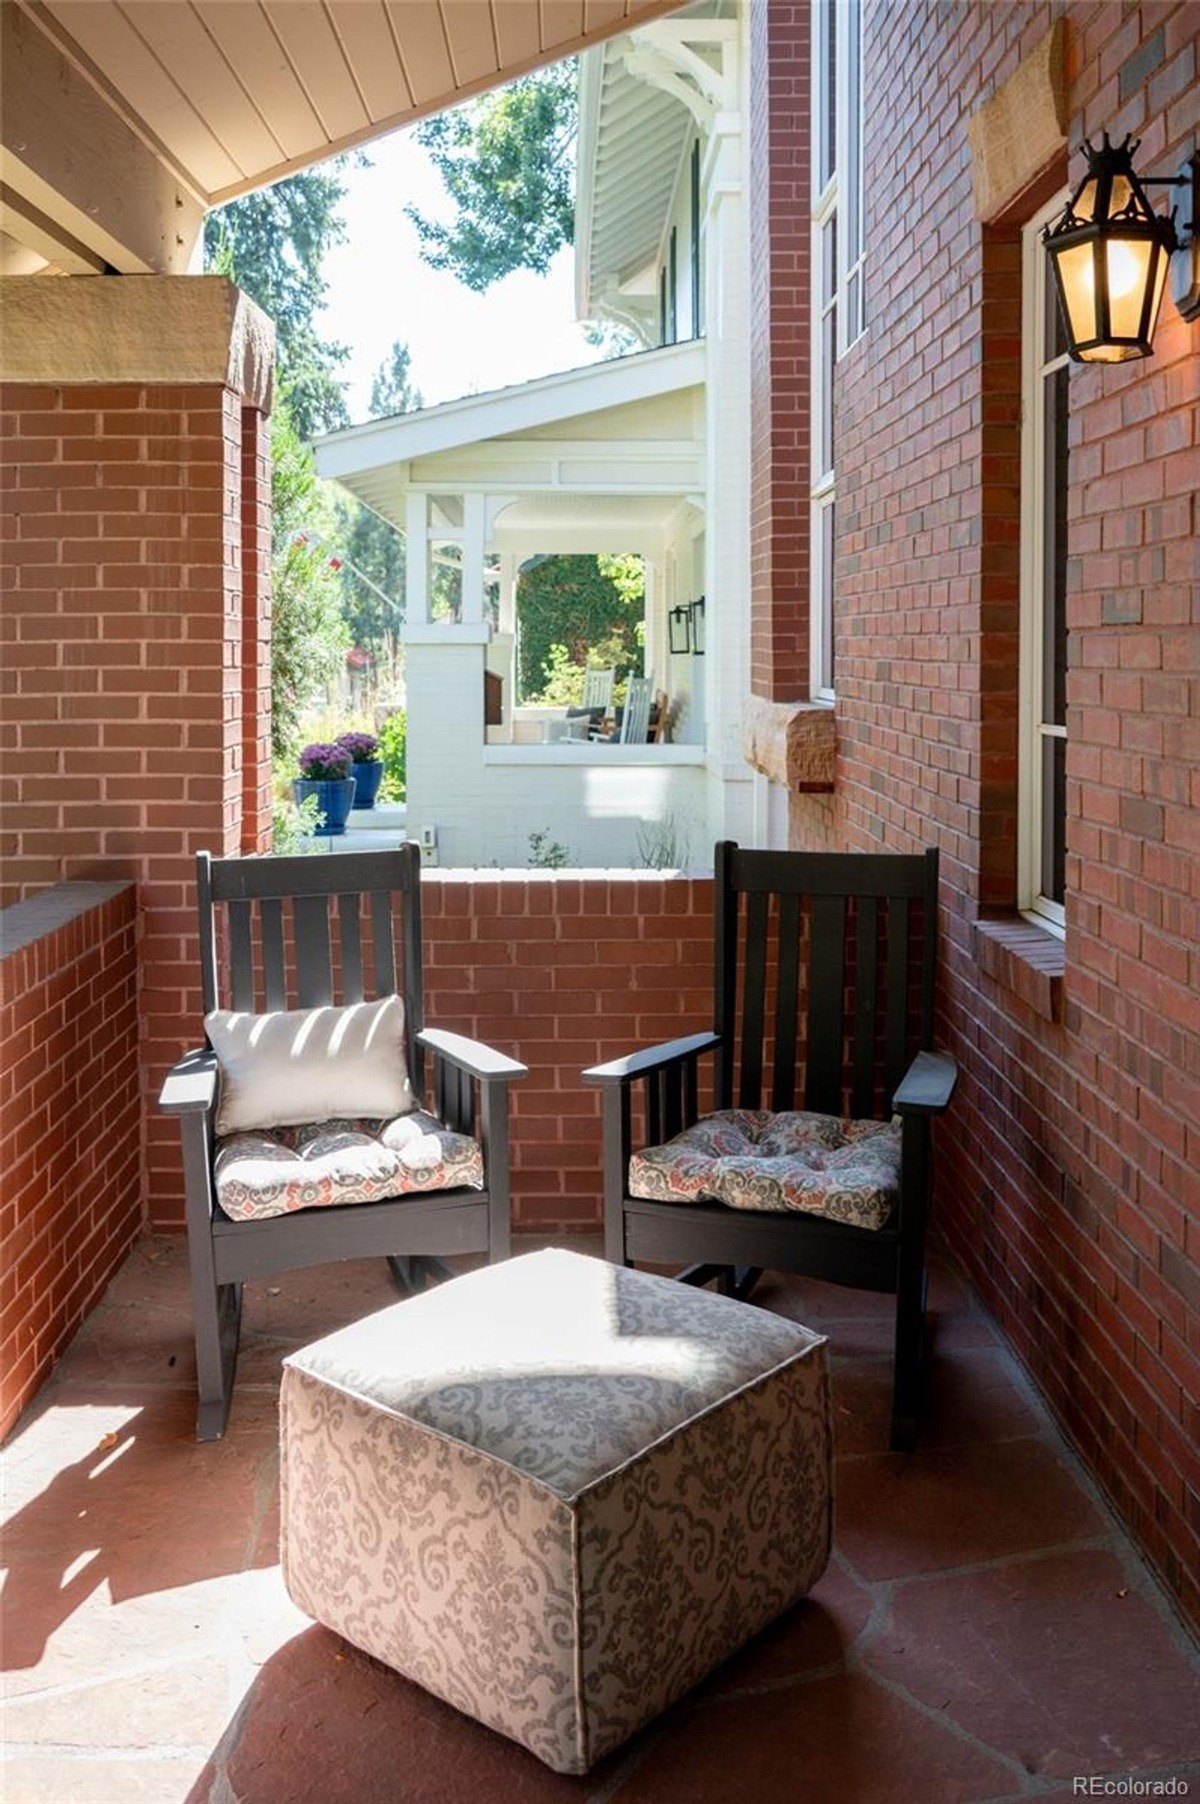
(815, 975)
(598, 688)
(313, 906)
(635, 721)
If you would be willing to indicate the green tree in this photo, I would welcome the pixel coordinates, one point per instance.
(373, 545)
(508, 164)
(392, 390)
(273, 245)
(308, 634)
(573, 611)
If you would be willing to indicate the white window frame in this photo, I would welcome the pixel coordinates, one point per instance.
(1037, 295)
(851, 257)
(829, 204)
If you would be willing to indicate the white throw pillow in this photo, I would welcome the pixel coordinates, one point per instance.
(311, 1064)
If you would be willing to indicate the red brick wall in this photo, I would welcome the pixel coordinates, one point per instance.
(1068, 1171)
(123, 728)
(69, 1129)
(779, 207)
(563, 972)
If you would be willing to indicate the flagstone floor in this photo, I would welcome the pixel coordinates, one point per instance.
(983, 1632)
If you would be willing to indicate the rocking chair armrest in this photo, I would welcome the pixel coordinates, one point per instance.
(653, 1058)
(191, 1085)
(927, 1085)
(472, 1056)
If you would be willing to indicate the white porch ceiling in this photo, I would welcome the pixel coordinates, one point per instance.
(632, 140)
(227, 96)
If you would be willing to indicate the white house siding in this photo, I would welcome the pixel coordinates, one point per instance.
(482, 804)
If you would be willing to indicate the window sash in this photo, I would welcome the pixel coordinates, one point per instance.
(1041, 849)
(838, 242)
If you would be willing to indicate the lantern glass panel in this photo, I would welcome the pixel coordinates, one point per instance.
(1084, 204)
(1128, 262)
(1077, 285)
(679, 636)
(1159, 279)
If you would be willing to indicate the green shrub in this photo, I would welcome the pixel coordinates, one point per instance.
(393, 749)
(295, 825)
(546, 854)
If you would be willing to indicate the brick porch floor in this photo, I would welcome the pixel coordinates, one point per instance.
(984, 1632)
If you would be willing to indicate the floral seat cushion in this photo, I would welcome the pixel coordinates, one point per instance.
(275, 1171)
(755, 1159)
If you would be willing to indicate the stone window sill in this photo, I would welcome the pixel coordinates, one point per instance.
(1027, 959)
(794, 744)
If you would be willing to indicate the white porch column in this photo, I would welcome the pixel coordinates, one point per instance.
(726, 664)
(474, 543)
(416, 578)
(508, 592)
(658, 665)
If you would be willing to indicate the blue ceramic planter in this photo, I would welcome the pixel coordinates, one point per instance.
(367, 776)
(335, 800)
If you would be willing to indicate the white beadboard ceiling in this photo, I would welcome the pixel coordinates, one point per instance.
(234, 94)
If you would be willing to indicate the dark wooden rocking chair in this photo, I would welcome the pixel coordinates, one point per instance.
(282, 954)
(824, 970)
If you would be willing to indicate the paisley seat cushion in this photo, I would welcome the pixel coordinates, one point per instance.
(755, 1159)
(325, 1164)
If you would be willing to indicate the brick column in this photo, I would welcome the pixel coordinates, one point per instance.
(256, 631)
(779, 202)
(125, 523)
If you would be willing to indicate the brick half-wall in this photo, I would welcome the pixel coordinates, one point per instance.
(69, 1123)
(564, 971)
(1067, 1176)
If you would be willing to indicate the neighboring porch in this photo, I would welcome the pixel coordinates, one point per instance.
(608, 459)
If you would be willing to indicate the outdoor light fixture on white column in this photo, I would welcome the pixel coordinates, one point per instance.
(1110, 253)
(679, 630)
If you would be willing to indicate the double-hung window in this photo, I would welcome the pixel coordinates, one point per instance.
(838, 302)
(1041, 852)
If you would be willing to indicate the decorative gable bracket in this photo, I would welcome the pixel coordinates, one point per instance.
(677, 56)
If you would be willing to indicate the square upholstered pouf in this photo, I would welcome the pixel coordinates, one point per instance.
(556, 1492)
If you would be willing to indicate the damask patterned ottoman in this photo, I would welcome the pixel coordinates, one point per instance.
(556, 1492)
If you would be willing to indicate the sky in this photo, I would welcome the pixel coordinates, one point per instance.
(380, 290)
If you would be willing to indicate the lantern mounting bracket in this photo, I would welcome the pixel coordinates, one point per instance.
(1185, 252)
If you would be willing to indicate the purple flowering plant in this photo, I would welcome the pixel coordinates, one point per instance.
(362, 747)
(325, 763)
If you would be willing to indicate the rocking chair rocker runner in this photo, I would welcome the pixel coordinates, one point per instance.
(271, 905)
(824, 967)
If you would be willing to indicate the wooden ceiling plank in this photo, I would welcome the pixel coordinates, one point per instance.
(105, 34)
(422, 40)
(303, 29)
(517, 30)
(367, 43)
(562, 23)
(602, 15)
(472, 44)
(197, 66)
(251, 47)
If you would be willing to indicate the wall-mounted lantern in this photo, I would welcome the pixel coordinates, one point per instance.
(679, 630)
(698, 627)
(1110, 253)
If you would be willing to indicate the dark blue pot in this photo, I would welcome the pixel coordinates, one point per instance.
(367, 777)
(335, 800)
